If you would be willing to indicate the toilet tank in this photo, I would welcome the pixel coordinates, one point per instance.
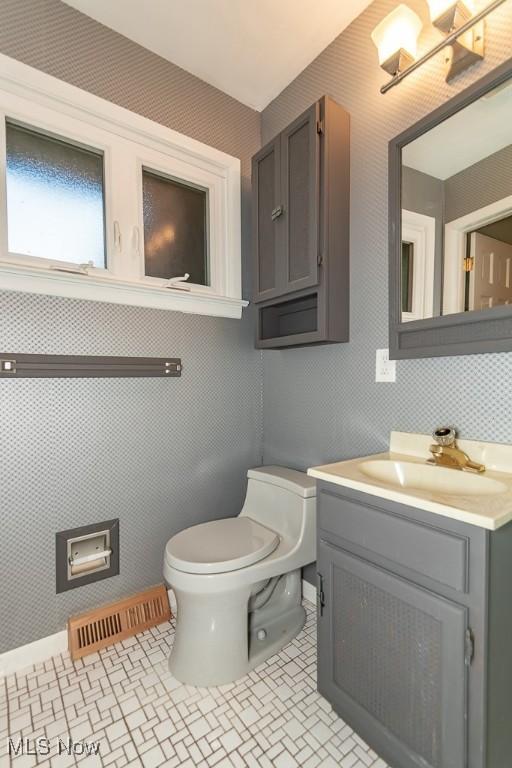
(282, 499)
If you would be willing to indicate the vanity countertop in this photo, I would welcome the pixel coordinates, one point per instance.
(486, 510)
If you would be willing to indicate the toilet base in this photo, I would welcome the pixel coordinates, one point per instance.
(220, 637)
(210, 642)
(279, 632)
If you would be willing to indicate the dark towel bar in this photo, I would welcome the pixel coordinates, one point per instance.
(14, 366)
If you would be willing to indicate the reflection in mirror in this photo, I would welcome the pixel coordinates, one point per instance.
(407, 276)
(457, 212)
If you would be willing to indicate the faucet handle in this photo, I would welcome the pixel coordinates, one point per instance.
(444, 436)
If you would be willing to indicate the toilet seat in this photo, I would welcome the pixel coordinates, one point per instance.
(220, 546)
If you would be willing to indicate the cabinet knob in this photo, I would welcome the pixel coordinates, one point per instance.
(277, 212)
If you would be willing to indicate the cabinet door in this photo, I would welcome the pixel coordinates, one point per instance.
(266, 169)
(300, 192)
(391, 659)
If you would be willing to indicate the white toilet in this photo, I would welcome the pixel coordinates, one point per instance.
(237, 581)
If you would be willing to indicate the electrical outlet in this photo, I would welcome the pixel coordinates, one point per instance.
(385, 369)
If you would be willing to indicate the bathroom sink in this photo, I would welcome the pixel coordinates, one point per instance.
(402, 475)
(426, 477)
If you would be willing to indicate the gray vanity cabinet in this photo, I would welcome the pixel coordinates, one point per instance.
(415, 631)
(300, 183)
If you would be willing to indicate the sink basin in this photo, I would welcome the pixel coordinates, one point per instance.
(403, 476)
(426, 477)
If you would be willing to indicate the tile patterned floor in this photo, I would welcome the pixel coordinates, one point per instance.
(125, 699)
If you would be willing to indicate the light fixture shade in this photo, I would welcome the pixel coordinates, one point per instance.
(440, 7)
(399, 31)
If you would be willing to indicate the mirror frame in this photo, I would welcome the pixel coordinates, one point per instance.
(461, 333)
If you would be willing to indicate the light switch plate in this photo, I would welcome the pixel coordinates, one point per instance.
(385, 369)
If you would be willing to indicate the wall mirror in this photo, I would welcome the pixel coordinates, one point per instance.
(451, 226)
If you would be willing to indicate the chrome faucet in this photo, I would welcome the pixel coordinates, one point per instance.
(446, 454)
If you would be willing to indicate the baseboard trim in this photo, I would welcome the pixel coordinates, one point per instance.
(309, 591)
(172, 601)
(33, 653)
(41, 650)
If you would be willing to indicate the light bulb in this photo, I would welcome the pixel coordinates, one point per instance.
(399, 31)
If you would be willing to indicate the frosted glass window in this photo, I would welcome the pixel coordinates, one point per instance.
(175, 226)
(55, 206)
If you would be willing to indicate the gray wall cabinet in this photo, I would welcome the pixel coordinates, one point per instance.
(301, 190)
(415, 631)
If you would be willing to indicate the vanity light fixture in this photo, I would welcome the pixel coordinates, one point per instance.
(396, 39)
(464, 41)
(448, 17)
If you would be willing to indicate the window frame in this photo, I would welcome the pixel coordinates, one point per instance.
(128, 142)
(168, 167)
(95, 140)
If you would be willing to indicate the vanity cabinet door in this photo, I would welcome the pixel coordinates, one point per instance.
(391, 660)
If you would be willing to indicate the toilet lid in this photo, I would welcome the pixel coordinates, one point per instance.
(220, 546)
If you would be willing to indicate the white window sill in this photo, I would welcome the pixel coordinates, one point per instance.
(89, 288)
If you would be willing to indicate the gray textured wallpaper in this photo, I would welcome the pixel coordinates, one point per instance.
(481, 184)
(164, 454)
(158, 454)
(322, 403)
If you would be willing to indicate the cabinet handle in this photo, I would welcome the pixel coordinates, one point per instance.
(277, 212)
(320, 600)
(469, 647)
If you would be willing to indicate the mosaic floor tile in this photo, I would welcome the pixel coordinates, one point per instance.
(121, 707)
